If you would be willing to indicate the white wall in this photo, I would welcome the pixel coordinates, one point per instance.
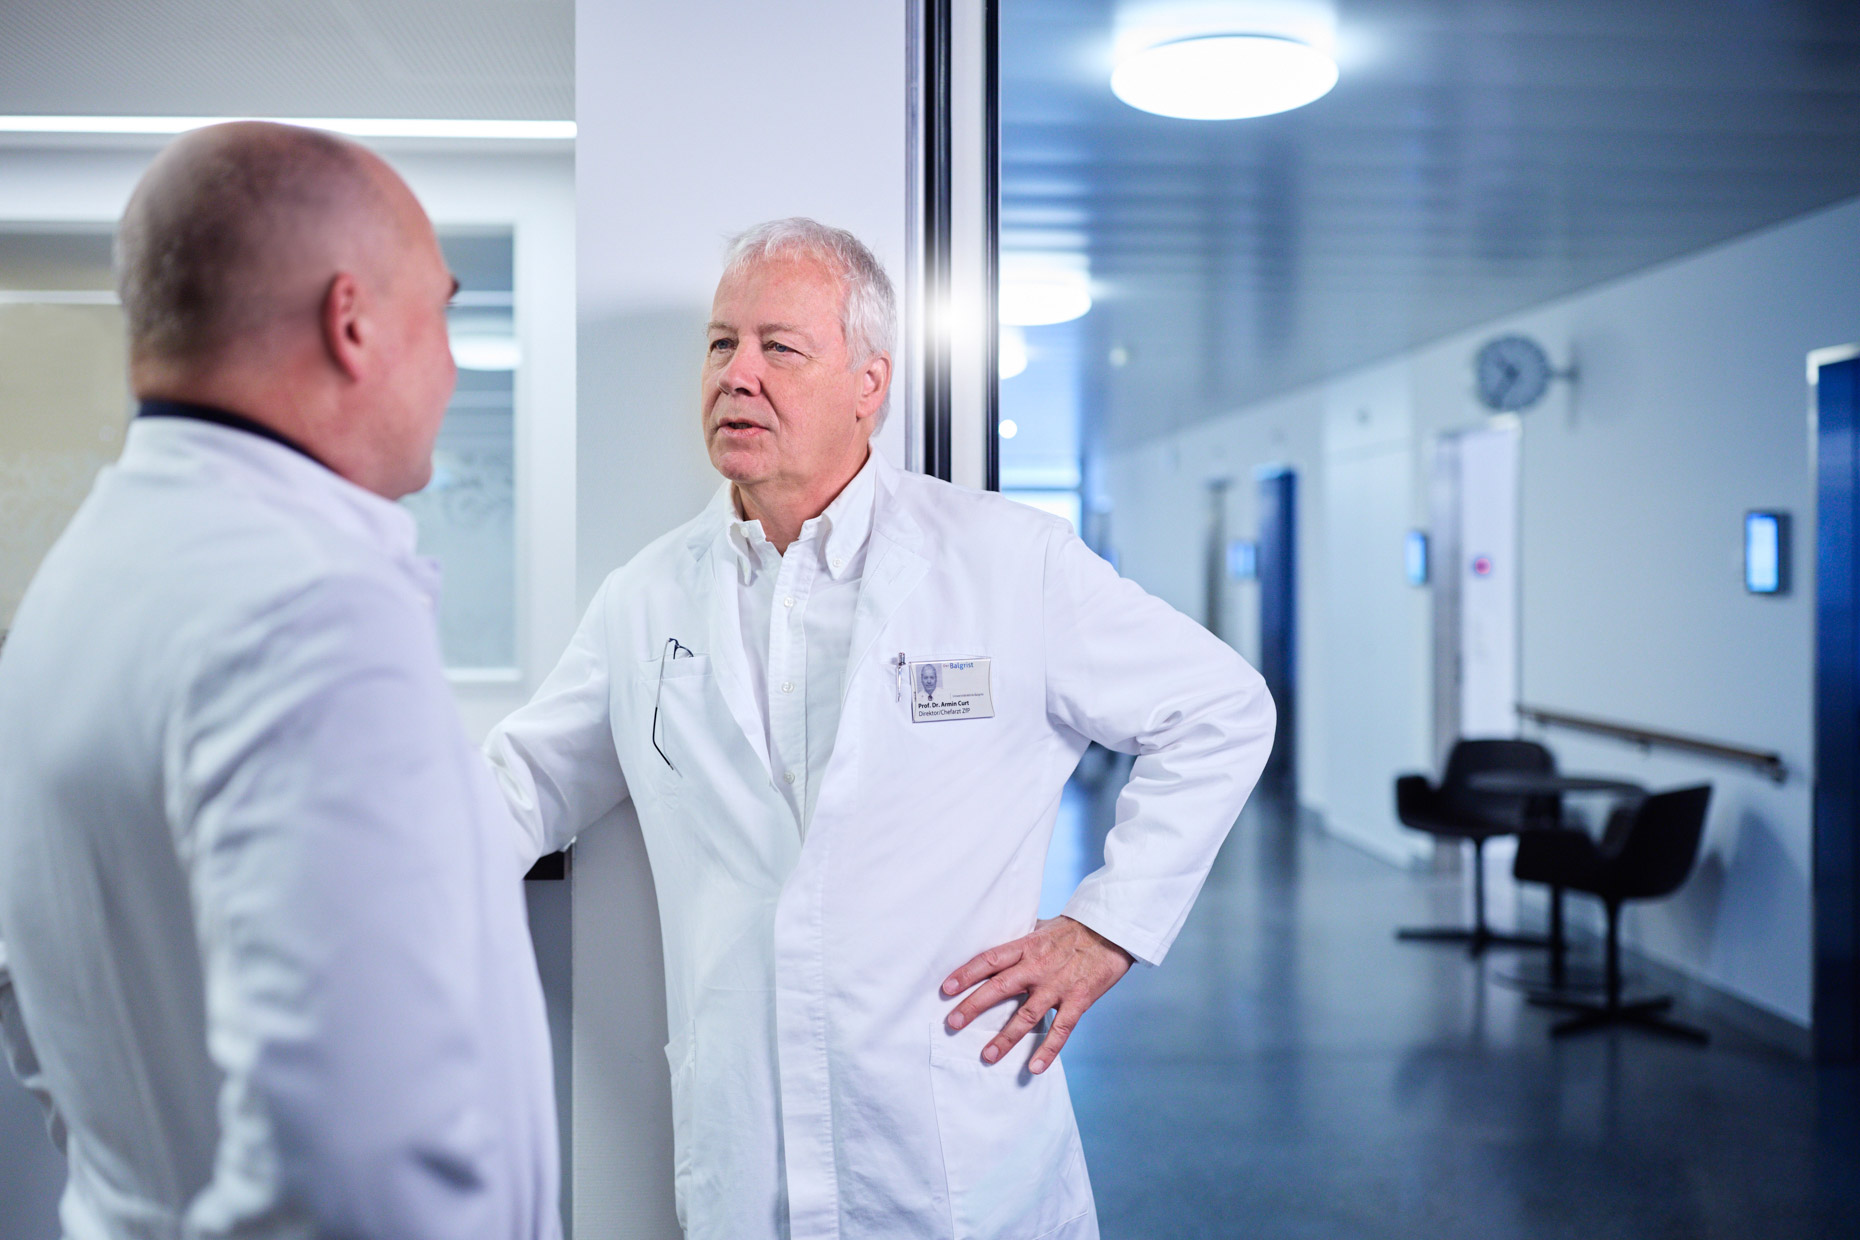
(1158, 493)
(1690, 409)
(695, 122)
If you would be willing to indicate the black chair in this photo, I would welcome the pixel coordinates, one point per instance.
(1455, 811)
(1645, 853)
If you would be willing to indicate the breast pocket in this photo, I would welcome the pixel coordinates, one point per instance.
(1011, 1151)
(673, 696)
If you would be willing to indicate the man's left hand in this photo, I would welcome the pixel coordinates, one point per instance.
(1062, 967)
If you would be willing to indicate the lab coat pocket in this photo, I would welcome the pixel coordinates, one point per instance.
(679, 1054)
(1011, 1151)
(675, 669)
(673, 694)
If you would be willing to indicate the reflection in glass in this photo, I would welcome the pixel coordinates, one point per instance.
(1040, 401)
(64, 392)
(467, 513)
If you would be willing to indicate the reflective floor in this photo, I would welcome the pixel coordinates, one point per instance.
(31, 1172)
(1291, 1072)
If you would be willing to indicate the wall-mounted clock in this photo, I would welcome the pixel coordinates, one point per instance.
(1514, 373)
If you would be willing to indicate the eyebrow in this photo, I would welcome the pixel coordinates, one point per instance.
(764, 329)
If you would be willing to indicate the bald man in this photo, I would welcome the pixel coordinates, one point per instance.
(270, 968)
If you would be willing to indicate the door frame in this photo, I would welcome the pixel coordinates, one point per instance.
(951, 381)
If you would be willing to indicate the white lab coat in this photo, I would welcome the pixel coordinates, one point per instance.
(816, 1091)
(270, 962)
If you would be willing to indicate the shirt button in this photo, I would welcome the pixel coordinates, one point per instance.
(787, 686)
(788, 775)
(838, 562)
(787, 602)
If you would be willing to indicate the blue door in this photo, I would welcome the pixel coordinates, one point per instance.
(1837, 709)
(1278, 617)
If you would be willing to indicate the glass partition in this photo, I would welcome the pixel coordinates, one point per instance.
(65, 402)
(467, 513)
(64, 395)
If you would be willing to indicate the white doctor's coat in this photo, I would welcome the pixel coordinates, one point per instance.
(816, 1091)
(265, 946)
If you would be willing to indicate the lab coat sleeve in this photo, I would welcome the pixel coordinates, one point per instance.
(323, 792)
(554, 757)
(21, 1056)
(1130, 672)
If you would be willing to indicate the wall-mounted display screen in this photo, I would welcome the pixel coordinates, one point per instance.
(1766, 552)
(1415, 557)
(1243, 559)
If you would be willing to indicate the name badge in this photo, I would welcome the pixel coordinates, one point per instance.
(951, 689)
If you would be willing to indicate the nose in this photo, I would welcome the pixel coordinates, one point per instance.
(742, 376)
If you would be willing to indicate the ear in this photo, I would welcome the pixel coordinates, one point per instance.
(874, 382)
(347, 332)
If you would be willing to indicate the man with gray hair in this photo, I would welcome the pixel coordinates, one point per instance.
(844, 701)
(266, 955)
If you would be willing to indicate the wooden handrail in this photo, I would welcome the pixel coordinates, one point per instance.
(1762, 760)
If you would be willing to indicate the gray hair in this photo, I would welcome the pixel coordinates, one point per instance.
(869, 313)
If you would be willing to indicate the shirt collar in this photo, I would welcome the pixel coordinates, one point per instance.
(280, 476)
(222, 417)
(849, 519)
(838, 533)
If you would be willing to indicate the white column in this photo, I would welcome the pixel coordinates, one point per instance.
(696, 121)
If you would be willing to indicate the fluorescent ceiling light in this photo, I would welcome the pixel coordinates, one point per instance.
(1036, 293)
(1224, 77)
(479, 352)
(56, 297)
(1011, 358)
(1009, 428)
(354, 127)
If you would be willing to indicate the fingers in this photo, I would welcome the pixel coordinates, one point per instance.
(1064, 1021)
(1019, 1026)
(1000, 987)
(987, 964)
(1062, 967)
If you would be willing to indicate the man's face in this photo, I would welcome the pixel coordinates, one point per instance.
(419, 375)
(781, 400)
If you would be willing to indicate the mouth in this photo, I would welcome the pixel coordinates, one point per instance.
(740, 428)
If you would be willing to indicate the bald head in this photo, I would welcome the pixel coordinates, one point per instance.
(290, 276)
(235, 229)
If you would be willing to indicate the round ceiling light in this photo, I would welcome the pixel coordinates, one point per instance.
(1224, 77)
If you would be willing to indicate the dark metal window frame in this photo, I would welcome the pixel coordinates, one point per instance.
(933, 24)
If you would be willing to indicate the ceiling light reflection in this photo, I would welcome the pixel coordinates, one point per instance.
(1011, 356)
(1034, 294)
(351, 126)
(479, 352)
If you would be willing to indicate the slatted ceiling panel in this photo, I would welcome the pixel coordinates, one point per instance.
(467, 59)
(1474, 160)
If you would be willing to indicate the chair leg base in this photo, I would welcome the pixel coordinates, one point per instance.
(1648, 1014)
(1477, 939)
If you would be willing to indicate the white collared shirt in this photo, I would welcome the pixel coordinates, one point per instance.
(797, 617)
(263, 919)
